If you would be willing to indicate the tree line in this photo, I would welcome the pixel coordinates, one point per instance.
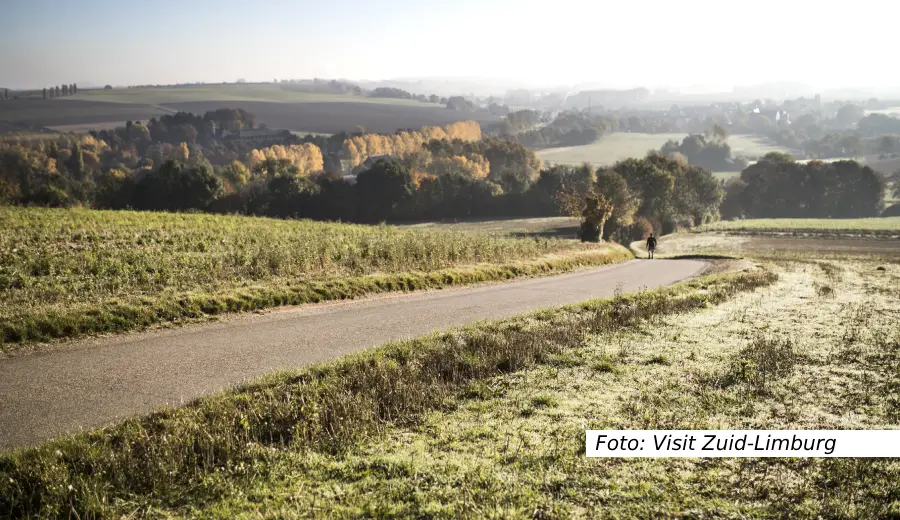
(780, 187)
(180, 162)
(60, 91)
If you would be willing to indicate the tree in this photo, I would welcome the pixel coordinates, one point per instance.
(76, 162)
(852, 145)
(56, 94)
(65, 90)
(383, 191)
(74, 88)
(887, 144)
(895, 182)
(597, 210)
(236, 174)
(850, 114)
(625, 203)
(173, 187)
(45, 92)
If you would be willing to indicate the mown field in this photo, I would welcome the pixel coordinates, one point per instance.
(623, 145)
(489, 421)
(65, 273)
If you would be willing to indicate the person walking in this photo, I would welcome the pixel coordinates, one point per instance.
(651, 245)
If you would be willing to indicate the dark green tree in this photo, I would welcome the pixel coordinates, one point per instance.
(76, 163)
(384, 192)
(173, 187)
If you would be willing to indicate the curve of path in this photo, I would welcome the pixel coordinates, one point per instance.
(100, 381)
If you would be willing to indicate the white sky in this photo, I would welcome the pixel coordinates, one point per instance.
(550, 42)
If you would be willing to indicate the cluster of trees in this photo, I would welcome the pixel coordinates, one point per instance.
(321, 85)
(709, 150)
(779, 187)
(58, 91)
(520, 121)
(634, 197)
(461, 104)
(360, 147)
(569, 129)
(874, 125)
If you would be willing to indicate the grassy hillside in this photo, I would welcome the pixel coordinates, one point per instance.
(623, 145)
(64, 273)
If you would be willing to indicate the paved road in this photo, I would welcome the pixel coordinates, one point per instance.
(99, 381)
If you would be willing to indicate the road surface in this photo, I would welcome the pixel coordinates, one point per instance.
(100, 381)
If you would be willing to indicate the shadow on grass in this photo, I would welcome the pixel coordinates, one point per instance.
(704, 257)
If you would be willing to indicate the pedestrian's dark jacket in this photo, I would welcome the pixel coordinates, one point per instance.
(651, 242)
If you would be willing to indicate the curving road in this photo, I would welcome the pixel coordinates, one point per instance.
(99, 381)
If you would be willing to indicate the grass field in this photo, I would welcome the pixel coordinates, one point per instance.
(893, 111)
(870, 226)
(622, 145)
(66, 273)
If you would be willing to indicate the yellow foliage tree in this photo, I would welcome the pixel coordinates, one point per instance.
(183, 153)
(475, 166)
(307, 157)
(236, 174)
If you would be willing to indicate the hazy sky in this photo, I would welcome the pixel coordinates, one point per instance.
(551, 42)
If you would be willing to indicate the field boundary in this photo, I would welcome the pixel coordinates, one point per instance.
(19, 332)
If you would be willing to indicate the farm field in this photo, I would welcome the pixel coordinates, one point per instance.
(336, 117)
(488, 421)
(55, 112)
(277, 108)
(623, 145)
(231, 92)
(65, 273)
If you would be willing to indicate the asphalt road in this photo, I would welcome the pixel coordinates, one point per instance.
(96, 382)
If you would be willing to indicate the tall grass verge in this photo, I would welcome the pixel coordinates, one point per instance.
(67, 273)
